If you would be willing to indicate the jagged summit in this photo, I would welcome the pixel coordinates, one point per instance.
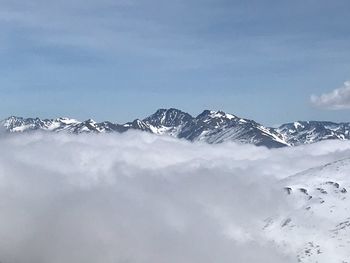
(209, 126)
(168, 118)
(215, 114)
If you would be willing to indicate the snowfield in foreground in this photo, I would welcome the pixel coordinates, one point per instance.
(140, 198)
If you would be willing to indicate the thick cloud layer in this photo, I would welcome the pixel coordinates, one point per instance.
(337, 99)
(141, 198)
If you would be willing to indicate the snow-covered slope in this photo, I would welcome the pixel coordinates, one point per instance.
(318, 226)
(209, 126)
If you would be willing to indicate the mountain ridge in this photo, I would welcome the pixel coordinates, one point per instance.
(209, 126)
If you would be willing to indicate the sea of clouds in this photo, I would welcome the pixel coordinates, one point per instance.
(140, 198)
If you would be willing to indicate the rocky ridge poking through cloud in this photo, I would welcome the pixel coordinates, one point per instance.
(212, 127)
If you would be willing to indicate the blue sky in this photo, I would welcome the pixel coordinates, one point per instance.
(123, 59)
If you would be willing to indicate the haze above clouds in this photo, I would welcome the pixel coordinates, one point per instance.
(141, 198)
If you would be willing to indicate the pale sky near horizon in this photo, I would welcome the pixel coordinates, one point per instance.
(123, 59)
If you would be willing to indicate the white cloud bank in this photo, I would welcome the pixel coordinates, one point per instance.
(140, 198)
(337, 99)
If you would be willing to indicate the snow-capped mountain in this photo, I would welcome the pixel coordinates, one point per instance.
(318, 226)
(212, 127)
(19, 124)
(209, 126)
(169, 118)
(218, 127)
(305, 132)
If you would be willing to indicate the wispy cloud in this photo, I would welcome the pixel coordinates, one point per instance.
(338, 99)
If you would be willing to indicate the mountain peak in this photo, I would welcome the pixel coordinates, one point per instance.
(216, 114)
(168, 118)
(66, 120)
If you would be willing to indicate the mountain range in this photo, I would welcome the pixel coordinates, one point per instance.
(209, 126)
(317, 224)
